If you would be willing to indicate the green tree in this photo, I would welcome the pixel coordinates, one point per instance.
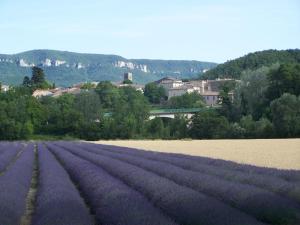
(38, 76)
(130, 113)
(286, 79)
(127, 81)
(88, 103)
(154, 93)
(188, 100)
(26, 81)
(109, 94)
(38, 79)
(285, 113)
(250, 92)
(155, 128)
(208, 124)
(88, 86)
(179, 127)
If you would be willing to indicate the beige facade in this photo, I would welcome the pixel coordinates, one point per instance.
(209, 89)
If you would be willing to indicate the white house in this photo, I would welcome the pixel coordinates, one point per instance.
(169, 82)
(4, 88)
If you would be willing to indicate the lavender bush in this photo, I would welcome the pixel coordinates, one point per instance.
(183, 204)
(14, 186)
(264, 205)
(8, 155)
(288, 175)
(270, 183)
(113, 202)
(58, 201)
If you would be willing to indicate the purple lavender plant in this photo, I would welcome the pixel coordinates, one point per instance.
(58, 200)
(183, 204)
(14, 186)
(113, 202)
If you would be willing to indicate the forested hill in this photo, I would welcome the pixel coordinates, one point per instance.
(252, 61)
(66, 68)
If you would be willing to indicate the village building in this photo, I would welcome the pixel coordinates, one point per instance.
(56, 92)
(41, 93)
(4, 88)
(169, 82)
(209, 89)
(128, 76)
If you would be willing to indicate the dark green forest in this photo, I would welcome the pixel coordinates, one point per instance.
(252, 61)
(266, 104)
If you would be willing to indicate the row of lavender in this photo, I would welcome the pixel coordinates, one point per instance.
(125, 194)
(15, 181)
(169, 181)
(91, 184)
(282, 182)
(57, 202)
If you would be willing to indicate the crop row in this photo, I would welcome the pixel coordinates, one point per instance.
(288, 175)
(14, 186)
(264, 205)
(183, 204)
(7, 156)
(112, 201)
(82, 183)
(58, 201)
(268, 182)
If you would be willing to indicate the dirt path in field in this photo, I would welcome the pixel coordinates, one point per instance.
(275, 153)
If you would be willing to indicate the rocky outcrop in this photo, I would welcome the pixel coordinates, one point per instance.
(131, 66)
(23, 63)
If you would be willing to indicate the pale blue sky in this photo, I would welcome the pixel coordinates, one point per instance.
(208, 30)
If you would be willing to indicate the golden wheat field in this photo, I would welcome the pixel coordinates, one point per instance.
(275, 153)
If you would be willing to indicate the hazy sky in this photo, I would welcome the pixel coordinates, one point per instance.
(208, 30)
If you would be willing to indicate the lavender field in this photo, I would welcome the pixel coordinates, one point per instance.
(75, 183)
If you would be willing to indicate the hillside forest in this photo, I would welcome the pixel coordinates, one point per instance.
(266, 104)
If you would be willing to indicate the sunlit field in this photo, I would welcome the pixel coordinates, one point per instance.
(276, 153)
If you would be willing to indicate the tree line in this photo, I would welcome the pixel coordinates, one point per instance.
(266, 104)
(252, 61)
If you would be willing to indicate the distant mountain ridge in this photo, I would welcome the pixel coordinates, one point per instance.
(252, 61)
(66, 68)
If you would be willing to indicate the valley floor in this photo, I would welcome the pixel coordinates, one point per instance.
(274, 153)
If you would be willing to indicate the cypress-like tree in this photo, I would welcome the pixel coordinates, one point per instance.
(38, 76)
(26, 81)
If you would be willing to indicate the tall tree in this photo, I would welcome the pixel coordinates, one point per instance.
(38, 76)
(208, 124)
(26, 81)
(188, 100)
(286, 79)
(286, 115)
(154, 93)
(250, 92)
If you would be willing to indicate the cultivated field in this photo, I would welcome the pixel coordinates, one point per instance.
(276, 153)
(78, 183)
